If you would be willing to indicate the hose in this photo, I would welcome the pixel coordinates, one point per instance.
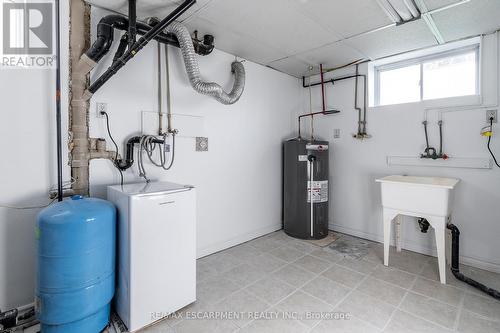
(193, 70)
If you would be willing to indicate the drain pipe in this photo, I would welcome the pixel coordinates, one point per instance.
(138, 46)
(455, 265)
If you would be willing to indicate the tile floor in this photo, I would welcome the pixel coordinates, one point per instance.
(280, 280)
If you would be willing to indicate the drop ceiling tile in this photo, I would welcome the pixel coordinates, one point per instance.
(234, 43)
(397, 39)
(470, 19)
(346, 17)
(333, 55)
(435, 4)
(273, 22)
(149, 8)
(291, 65)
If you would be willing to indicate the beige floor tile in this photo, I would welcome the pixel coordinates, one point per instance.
(204, 326)
(367, 308)
(441, 292)
(244, 251)
(483, 305)
(304, 304)
(222, 262)
(352, 325)
(312, 264)
(344, 276)
(215, 289)
(327, 255)
(287, 253)
(381, 290)
(473, 323)
(361, 266)
(243, 304)
(403, 322)
(266, 263)
(271, 289)
(430, 309)
(395, 276)
(275, 326)
(293, 275)
(267, 243)
(243, 275)
(327, 290)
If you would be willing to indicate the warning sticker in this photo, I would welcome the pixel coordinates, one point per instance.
(319, 191)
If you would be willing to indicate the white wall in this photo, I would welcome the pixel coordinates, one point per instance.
(238, 180)
(397, 130)
(27, 168)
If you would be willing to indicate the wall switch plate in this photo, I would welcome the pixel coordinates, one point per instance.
(336, 133)
(201, 144)
(101, 107)
(491, 114)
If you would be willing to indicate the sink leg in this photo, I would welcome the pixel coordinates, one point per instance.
(399, 224)
(439, 225)
(440, 244)
(388, 216)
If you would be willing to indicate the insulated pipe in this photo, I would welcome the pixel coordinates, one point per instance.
(80, 66)
(193, 70)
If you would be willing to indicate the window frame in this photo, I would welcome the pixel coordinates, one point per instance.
(420, 61)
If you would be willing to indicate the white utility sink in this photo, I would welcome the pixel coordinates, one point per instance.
(426, 197)
(429, 195)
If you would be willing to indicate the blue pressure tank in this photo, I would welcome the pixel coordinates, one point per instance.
(76, 265)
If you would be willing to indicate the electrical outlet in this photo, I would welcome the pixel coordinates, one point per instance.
(101, 107)
(491, 114)
(336, 133)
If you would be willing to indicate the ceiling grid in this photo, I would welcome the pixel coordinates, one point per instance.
(292, 35)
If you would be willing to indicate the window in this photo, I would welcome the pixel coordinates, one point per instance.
(448, 74)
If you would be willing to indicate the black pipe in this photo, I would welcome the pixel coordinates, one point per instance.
(455, 265)
(105, 34)
(139, 45)
(132, 27)
(58, 105)
(124, 164)
(122, 47)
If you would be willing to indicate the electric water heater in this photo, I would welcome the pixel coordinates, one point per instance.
(305, 192)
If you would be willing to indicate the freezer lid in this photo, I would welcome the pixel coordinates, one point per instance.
(150, 188)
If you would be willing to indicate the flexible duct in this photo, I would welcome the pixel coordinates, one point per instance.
(193, 70)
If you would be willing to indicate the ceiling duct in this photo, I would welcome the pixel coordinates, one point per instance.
(400, 11)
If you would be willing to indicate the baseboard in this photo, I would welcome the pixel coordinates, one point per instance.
(415, 247)
(219, 246)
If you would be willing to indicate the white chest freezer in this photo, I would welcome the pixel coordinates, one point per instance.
(156, 254)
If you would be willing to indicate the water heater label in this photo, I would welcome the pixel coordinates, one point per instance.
(319, 191)
(302, 158)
